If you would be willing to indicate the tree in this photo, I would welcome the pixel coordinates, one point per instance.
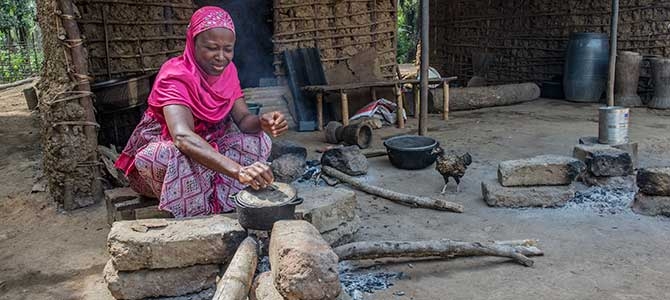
(16, 17)
(408, 30)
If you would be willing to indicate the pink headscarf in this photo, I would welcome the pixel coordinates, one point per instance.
(181, 81)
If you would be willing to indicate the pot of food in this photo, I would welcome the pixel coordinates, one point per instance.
(260, 209)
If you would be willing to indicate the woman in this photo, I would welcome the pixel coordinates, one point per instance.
(198, 143)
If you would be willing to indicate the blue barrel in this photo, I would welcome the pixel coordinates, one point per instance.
(586, 67)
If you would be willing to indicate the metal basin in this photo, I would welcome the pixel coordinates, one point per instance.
(411, 152)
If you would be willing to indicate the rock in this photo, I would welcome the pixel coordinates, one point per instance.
(652, 205)
(618, 182)
(304, 266)
(538, 196)
(332, 211)
(283, 147)
(374, 123)
(539, 170)
(161, 282)
(264, 288)
(604, 160)
(654, 181)
(182, 243)
(631, 148)
(288, 168)
(349, 160)
(207, 294)
(344, 233)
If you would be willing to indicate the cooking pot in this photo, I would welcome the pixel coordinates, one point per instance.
(260, 209)
(411, 152)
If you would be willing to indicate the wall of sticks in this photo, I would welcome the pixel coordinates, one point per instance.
(339, 28)
(528, 38)
(132, 37)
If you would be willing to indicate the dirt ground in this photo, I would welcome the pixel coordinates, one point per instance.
(49, 254)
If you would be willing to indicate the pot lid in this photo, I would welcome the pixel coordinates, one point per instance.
(276, 195)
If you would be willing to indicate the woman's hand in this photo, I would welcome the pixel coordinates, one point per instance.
(257, 175)
(274, 123)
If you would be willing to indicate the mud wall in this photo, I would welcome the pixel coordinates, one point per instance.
(132, 37)
(528, 38)
(339, 28)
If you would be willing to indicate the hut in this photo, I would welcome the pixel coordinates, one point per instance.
(111, 48)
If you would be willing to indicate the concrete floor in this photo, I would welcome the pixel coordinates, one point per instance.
(47, 254)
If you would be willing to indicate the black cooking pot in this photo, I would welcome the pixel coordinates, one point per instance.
(411, 152)
(263, 217)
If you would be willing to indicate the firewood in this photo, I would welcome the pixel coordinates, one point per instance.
(405, 199)
(236, 282)
(516, 250)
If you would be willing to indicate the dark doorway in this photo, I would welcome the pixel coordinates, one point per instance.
(253, 48)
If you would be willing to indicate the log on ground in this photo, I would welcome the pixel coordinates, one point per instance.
(487, 96)
(405, 199)
(236, 282)
(516, 250)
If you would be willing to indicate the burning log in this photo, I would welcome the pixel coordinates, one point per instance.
(236, 282)
(516, 250)
(401, 198)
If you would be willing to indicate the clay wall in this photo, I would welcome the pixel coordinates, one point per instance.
(528, 38)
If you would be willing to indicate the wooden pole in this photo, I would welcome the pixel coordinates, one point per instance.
(400, 109)
(373, 92)
(445, 98)
(417, 100)
(106, 35)
(345, 108)
(319, 110)
(423, 116)
(613, 47)
(80, 71)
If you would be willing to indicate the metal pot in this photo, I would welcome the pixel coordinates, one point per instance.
(262, 217)
(411, 152)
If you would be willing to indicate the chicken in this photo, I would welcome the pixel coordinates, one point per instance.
(451, 164)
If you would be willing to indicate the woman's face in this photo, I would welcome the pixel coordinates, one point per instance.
(214, 49)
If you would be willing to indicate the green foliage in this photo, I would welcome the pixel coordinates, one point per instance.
(16, 14)
(408, 14)
(20, 54)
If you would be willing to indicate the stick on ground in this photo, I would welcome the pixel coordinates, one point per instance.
(401, 198)
(236, 282)
(438, 248)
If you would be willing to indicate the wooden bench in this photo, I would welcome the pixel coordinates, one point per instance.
(342, 89)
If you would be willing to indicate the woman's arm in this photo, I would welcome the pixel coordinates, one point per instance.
(181, 125)
(245, 120)
(273, 123)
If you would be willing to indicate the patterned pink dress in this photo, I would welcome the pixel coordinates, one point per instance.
(184, 187)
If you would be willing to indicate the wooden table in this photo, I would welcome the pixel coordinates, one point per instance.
(342, 89)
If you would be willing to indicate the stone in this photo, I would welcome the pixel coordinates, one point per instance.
(206, 294)
(651, 205)
(654, 181)
(160, 282)
(283, 147)
(604, 160)
(631, 148)
(264, 289)
(344, 233)
(304, 266)
(349, 160)
(616, 182)
(184, 242)
(538, 196)
(288, 168)
(327, 208)
(539, 170)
